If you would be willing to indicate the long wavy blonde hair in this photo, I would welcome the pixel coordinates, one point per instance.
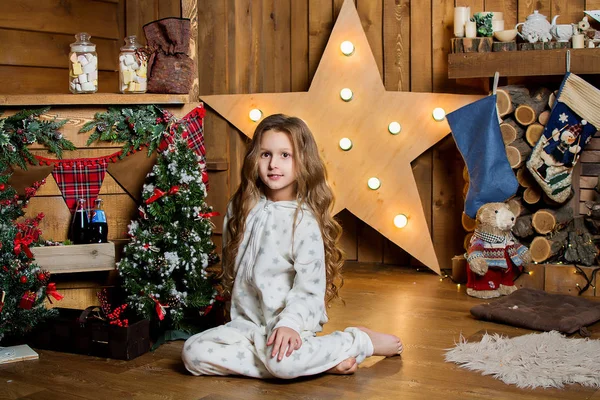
(312, 190)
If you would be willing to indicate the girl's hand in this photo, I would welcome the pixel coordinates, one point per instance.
(284, 338)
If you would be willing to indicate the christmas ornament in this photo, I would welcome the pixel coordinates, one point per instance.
(28, 300)
(23, 279)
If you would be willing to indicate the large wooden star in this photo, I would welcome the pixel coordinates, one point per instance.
(364, 120)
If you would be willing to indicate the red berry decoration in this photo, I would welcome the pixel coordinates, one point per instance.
(2, 186)
(23, 279)
(41, 276)
(131, 126)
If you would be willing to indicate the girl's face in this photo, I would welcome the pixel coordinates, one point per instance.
(276, 166)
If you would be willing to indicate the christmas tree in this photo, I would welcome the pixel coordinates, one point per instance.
(23, 284)
(164, 267)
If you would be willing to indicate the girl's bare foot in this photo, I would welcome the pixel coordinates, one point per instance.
(346, 367)
(383, 344)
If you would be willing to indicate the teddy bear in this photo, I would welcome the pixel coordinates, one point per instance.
(495, 257)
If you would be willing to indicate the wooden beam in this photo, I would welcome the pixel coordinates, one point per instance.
(517, 63)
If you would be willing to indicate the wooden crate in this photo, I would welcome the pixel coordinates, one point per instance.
(562, 278)
(533, 277)
(76, 258)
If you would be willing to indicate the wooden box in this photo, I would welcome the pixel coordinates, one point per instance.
(565, 279)
(94, 337)
(533, 277)
(76, 258)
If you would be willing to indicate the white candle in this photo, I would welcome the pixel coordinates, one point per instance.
(470, 29)
(461, 16)
(578, 41)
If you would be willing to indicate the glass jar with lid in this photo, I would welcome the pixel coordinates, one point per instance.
(83, 65)
(133, 67)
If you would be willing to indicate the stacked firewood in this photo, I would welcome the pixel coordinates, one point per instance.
(548, 228)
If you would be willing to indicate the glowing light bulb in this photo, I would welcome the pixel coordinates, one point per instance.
(439, 114)
(400, 220)
(255, 114)
(346, 94)
(530, 272)
(347, 48)
(345, 144)
(374, 183)
(394, 128)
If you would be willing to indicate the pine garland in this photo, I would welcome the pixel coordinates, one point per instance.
(164, 267)
(25, 128)
(134, 127)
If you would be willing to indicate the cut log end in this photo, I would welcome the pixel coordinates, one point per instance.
(539, 249)
(503, 102)
(532, 195)
(525, 115)
(468, 223)
(517, 153)
(543, 221)
(533, 133)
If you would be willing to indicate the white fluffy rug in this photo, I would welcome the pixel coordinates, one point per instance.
(536, 360)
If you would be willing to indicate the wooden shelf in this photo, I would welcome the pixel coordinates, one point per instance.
(76, 258)
(92, 99)
(522, 63)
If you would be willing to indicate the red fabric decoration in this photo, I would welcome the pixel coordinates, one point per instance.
(22, 243)
(51, 291)
(160, 308)
(27, 300)
(80, 178)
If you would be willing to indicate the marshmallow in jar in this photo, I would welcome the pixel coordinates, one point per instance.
(132, 67)
(83, 65)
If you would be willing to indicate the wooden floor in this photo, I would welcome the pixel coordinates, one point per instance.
(428, 314)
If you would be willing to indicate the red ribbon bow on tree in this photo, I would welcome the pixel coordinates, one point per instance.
(51, 291)
(22, 243)
(157, 194)
(160, 308)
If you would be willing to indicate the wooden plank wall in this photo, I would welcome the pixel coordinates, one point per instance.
(248, 46)
(275, 46)
(34, 45)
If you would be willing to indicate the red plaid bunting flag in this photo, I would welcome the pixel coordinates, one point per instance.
(193, 124)
(80, 179)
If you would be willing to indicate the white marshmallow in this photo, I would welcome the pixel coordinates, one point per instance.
(93, 75)
(83, 78)
(89, 68)
(129, 59)
(78, 87)
(88, 86)
(82, 60)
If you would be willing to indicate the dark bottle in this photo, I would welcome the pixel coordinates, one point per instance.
(79, 225)
(98, 229)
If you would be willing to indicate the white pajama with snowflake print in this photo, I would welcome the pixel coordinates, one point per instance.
(280, 282)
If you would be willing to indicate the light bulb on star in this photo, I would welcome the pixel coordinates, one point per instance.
(439, 114)
(255, 114)
(394, 128)
(400, 221)
(347, 48)
(374, 183)
(345, 144)
(346, 94)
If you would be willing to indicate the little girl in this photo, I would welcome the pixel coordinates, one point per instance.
(281, 263)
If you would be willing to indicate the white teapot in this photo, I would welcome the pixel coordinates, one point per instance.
(536, 28)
